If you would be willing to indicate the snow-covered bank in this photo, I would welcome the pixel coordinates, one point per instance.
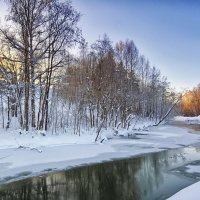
(192, 191)
(34, 154)
(189, 193)
(188, 120)
(193, 169)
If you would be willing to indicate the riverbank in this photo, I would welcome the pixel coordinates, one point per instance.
(28, 155)
(191, 192)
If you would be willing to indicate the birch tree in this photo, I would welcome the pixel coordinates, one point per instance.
(40, 34)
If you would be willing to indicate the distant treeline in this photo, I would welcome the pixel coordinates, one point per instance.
(190, 103)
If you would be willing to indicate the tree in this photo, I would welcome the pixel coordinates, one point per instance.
(42, 30)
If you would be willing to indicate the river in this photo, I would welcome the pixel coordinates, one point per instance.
(146, 177)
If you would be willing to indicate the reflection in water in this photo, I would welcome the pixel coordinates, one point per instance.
(137, 178)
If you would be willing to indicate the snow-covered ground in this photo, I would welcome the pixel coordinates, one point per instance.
(189, 193)
(193, 169)
(188, 120)
(33, 153)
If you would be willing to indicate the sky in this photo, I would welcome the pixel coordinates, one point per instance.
(167, 32)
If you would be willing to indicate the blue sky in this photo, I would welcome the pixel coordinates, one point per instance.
(167, 32)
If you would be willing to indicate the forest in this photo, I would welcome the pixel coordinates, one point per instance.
(190, 104)
(45, 86)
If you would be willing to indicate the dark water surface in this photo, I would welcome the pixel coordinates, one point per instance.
(147, 177)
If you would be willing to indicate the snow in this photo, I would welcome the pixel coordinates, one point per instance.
(191, 192)
(37, 152)
(188, 120)
(193, 169)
